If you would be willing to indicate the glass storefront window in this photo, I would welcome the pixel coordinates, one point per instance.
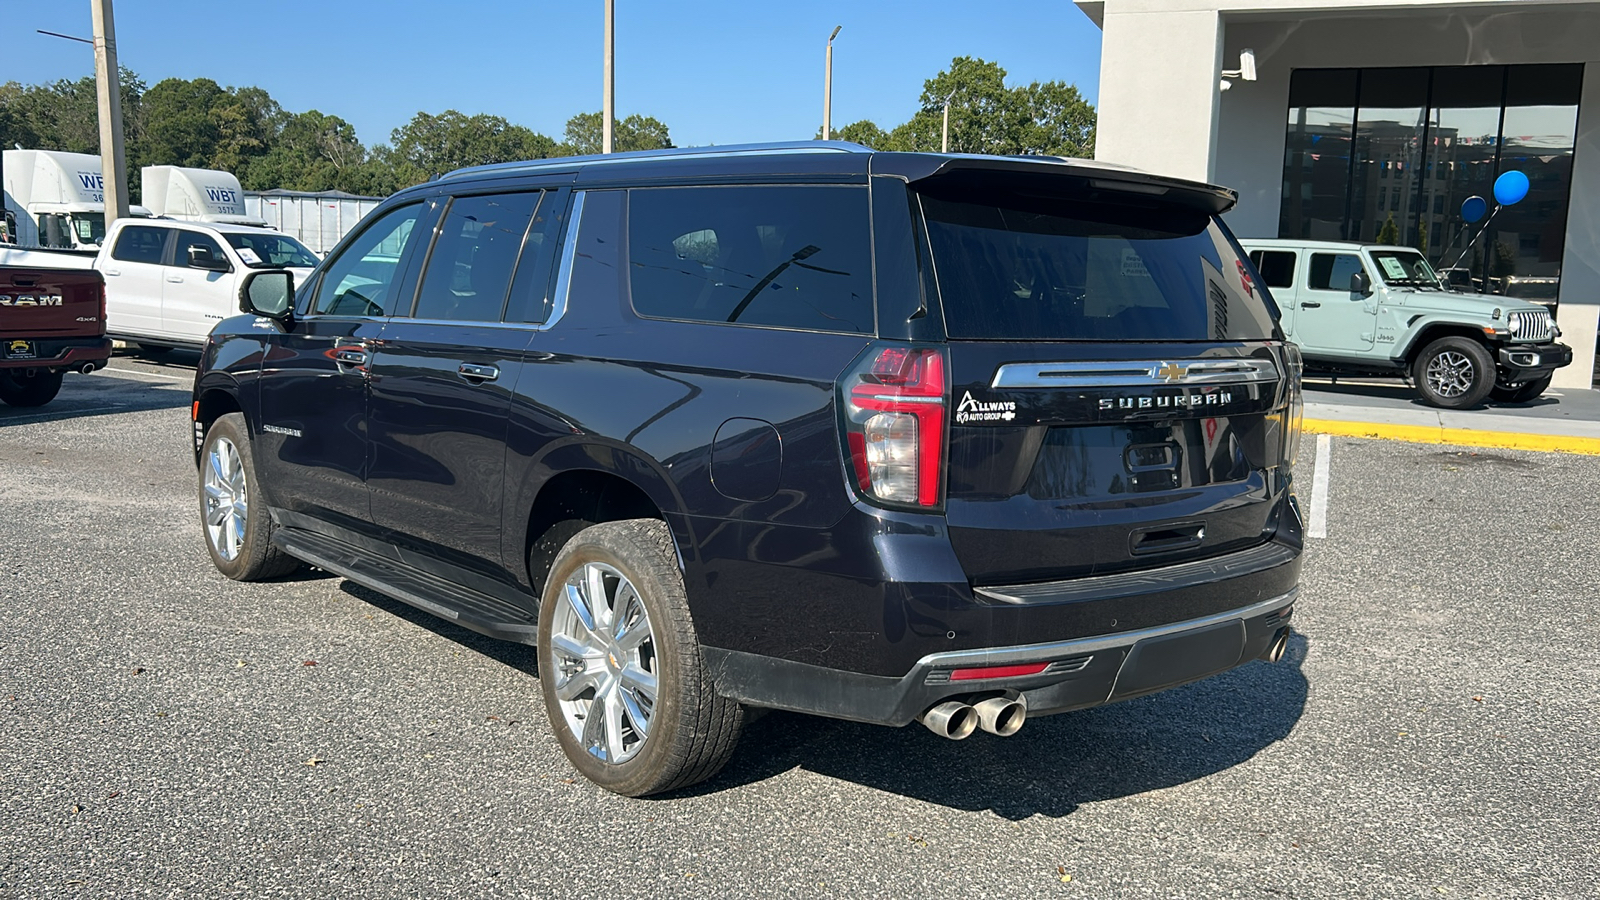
(1389, 132)
(1387, 156)
(1541, 119)
(1316, 165)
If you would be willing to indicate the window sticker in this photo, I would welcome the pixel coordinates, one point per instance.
(1394, 268)
(249, 256)
(1133, 265)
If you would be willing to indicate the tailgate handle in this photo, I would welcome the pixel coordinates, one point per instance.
(1168, 537)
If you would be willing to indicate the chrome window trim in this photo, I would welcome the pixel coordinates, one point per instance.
(997, 656)
(1135, 373)
(569, 255)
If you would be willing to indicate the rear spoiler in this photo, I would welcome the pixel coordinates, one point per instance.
(1070, 177)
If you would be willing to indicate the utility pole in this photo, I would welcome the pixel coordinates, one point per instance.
(827, 89)
(609, 113)
(944, 140)
(107, 85)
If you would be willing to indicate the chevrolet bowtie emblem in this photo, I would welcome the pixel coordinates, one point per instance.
(1172, 373)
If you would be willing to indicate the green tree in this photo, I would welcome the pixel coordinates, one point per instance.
(180, 129)
(1048, 117)
(312, 152)
(865, 132)
(1389, 233)
(64, 115)
(429, 145)
(585, 134)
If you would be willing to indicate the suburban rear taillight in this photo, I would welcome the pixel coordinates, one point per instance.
(1294, 416)
(894, 416)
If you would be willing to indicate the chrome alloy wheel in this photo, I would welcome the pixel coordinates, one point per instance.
(605, 656)
(226, 499)
(1450, 374)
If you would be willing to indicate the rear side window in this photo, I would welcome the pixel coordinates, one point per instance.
(781, 257)
(140, 243)
(1276, 267)
(1050, 269)
(1332, 271)
(469, 270)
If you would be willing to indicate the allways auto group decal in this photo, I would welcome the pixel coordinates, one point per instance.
(970, 410)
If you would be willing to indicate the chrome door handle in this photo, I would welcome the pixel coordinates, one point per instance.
(350, 357)
(476, 373)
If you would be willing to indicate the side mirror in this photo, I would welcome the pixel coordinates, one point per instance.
(202, 258)
(268, 293)
(1361, 283)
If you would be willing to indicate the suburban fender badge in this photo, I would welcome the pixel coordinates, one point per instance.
(971, 410)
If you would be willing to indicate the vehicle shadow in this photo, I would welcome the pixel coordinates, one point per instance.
(1398, 392)
(521, 657)
(88, 400)
(1056, 763)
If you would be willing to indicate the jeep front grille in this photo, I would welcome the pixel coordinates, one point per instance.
(1531, 327)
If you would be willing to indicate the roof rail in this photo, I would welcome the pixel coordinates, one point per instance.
(534, 165)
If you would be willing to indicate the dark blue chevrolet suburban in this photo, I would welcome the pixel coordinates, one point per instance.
(888, 437)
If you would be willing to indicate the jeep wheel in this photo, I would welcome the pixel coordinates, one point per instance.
(1453, 373)
(1520, 393)
(18, 389)
(238, 531)
(626, 689)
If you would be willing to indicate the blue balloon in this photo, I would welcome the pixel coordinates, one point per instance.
(1473, 208)
(1510, 187)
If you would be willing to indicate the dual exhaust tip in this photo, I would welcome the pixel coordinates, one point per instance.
(1004, 714)
(1001, 715)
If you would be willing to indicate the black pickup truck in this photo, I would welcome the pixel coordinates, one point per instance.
(52, 321)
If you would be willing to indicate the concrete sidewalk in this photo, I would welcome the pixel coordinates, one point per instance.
(1559, 420)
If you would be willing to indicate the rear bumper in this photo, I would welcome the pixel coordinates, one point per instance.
(58, 353)
(1080, 673)
(1527, 362)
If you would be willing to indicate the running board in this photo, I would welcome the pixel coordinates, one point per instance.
(464, 606)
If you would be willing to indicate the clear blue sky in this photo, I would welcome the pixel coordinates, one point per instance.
(715, 72)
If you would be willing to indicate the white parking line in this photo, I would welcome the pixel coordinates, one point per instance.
(136, 372)
(1318, 527)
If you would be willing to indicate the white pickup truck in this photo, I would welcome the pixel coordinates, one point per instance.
(169, 281)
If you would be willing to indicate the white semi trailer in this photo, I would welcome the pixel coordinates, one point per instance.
(317, 220)
(56, 200)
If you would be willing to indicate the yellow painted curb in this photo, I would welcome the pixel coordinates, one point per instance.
(1466, 437)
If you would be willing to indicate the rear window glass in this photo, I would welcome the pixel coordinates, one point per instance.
(1059, 270)
(782, 257)
(1276, 267)
(140, 243)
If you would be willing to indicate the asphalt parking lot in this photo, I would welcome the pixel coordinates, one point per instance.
(167, 732)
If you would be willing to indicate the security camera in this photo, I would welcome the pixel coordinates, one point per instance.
(1246, 70)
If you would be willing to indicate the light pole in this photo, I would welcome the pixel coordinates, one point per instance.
(114, 186)
(827, 89)
(944, 141)
(607, 114)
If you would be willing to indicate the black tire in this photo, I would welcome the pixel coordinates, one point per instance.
(254, 557)
(1453, 373)
(690, 731)
(1520, 393)
(19, 389)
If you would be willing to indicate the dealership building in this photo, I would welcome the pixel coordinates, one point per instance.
(1369, 117)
